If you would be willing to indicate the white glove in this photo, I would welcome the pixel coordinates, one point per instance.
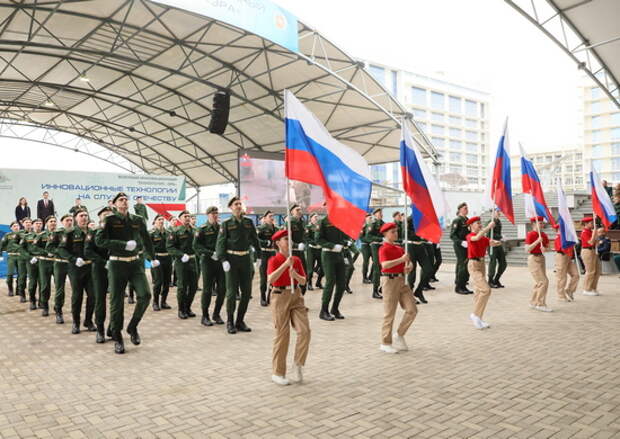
(337, 248)
(33, 260)
(107, 265)
(155, 263)
(184, 258)
(226, 265)
(301, 246)
(438, 246)
(131, 245)
(464, 244)
(79, 262)
(214, 257)
(346, 261)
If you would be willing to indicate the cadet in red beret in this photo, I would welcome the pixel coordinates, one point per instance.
(536, 243)
(564, 267)
(395, 263)
(590, 258)
(287, 308)
(477, 245)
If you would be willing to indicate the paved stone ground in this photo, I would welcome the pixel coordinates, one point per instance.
(532, 375)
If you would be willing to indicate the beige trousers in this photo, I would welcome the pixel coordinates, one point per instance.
(536, 265)
(482, 291)
(593, 269)
(565, 267)
(396, 291)
(288, 309)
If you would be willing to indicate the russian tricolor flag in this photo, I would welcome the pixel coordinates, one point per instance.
(601, 203)
(422, 188)
(500, 189)
(535, 204)
(315, 157)
(568, 234)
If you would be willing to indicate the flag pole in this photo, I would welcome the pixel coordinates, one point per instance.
(406, 222)
(288, 206)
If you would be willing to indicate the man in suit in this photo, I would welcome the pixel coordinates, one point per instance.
(45, 206)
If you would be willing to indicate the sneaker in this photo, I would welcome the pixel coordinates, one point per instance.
(279, 380)
(532, 306)
(388, 349)
(571, 297)
(589, 293)
(485, 324)
(399, 342)
(543, 308)
(476, 321)
(299, 373)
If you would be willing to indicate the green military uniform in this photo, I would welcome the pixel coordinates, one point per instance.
(233, 245)
(205, 240)
(71, 248)
(46, 268)
(375, 238)
(351, 253)
(437, 260)
(22, 266)
(265, 232)
(161, 275)
(298, 236)
(11, 244)
(497, 259)
(28, 253)
(140, 210)
(99, 272)
(61, 269)
(313, 254)
(76, 208)
(418, 254)
(400, 230)
(366, 254)
(180, 242)
(458, 234)
(126, 266)
(329, 237)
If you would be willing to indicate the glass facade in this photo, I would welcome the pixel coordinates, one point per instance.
(437, 100)
(455, 105)
(471, 108)
(418, 96)
(378, 73)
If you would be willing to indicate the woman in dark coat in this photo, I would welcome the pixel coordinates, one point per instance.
(22, 211)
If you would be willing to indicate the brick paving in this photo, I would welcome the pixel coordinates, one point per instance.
(532, 375)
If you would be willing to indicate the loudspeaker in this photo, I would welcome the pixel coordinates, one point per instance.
(219, 115)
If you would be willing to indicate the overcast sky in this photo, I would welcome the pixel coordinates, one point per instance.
(484, 43)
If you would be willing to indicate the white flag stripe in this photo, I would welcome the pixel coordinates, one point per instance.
(602, 194)
(487, 199)
(567, 219)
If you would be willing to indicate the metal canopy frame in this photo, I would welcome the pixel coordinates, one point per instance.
(552, 19)
(137, 78)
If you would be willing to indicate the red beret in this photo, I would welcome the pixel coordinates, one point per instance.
(279, 234)
(387, 226)
(472, 220)
(587, 219)
(537, 218)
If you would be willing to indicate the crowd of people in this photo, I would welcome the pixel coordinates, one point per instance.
(103, 259)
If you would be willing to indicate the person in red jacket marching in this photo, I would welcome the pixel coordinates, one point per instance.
(590, 259)
(477, 245)
(564, 267)
(537, 242)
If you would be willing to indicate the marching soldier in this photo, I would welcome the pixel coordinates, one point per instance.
(125, 236)
(416, 249)
(11, 244)
(46, 263)
(351, 253)
(161, 275)
(192, 222)
(497, 259)
(288, 309)
(374, 237)
(437, 260)
(564, 267)
(397, 219)
(265, 232)
(23, 260)
(537, 243)
(590, 258)
(313, 251)
(180, 245)
(99, 273)
(212, 271)
(332, 241)
(236, 236)
(365, 249)
(477, 245)
(71, 248)
(298, 235)
(394, 264)
(140, 209)
(458, 235)
(61, 266)
(29, 246)
(77, 206)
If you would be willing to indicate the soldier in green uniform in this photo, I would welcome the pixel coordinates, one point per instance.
(11, 244)
(125, 236)
(436, 261)
(61, 266)
(99, 272)
(23, 260)
(30, 252)
(265, 232)
(397, 218)
(46, 263)
(497, 259)
(332, 241)
(77, 206)
(366, 253)
(416, 249)
(213, 276)
(236, 236)
(180, 245)
(351, 253)
(458, 234)
(161, 275)
(71, 248)
(298, 236)
(313, 250)
(140, 209)
(192, 222)
(375, 238)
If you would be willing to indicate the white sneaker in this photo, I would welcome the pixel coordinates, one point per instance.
(388, 349)
(279, 380)
(476, 321)
(532, 306)
(589, 293)
(543, 309)
(485, 324)
(399, 342)
(299, 373)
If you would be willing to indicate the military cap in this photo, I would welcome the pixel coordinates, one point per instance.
(279, 234)
(212, 209)
(266, 213)
(472, 220)
(183, 212)
(49, 217)
(387, 227)
(105, 209)
(37, 220)
(13, 222)
(293, 207)
(117, 196)
(157, 216)
(587, 219)
(232, 200)
(395, 214)
(378, 209)
(80, 210)
(67, 215)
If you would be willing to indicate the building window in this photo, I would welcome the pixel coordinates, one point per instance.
(595, 93)
(615, 164)
(394, 83)
(578, 156)
(471, 123)
(615, 134)
(568, 168)
(472, 171)
(597, 136)
(578, 169)
(615, 119)
(615, 176)
(456, 132)
(456, 157)
(378, 73)
(438, 129)
(471, 135)
(597, 121)
(596, 107)
(472, 180)
(438, 141)
(437, 100)
(437, 117)
(568, 180)
(419, 114)
(379, 173)
(455, 105)
(456, 145)
(472, 147)
(597, 151)
(598, 164)
(578, 180)
(615, 148)
(472, 159)
(482, 108)
(455, 120)
(456, 169)
(418, 96)
(471, 108)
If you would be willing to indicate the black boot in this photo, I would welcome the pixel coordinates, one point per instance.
(206, 321)
(434, 279)
(217, 319)
(376, 295)
(10, 285)
(189, 313)
(492, 284)
(90, 327)
(163, 304)
(75, 328)
(498, 284)
(336, 314)
(108, 333)
(242, 327)
(119, 344)
(325, 315)
(420, 296)
(33, 306)
(59, 319)
(45, 312)
(182, 314)
(133, 335)
(100, 338)
(459, 290)
(263, 299)
(428, 287)
(366, 281)
(318, 284)
(347, 290)
(230, 326)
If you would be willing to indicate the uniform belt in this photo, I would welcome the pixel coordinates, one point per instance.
(238, 253)
(376, 243)
(560, 253)
(415, 242)
(475, 259)
(314, 246)
(392, 275)
(162, 254)
(13, 254)
(268, 249)
(61, 260)
(331, 250)
(87, 262)
(536, 254)
(44, 258)
(125, 258)
(280, 290)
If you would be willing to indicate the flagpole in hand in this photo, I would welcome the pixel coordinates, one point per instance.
(288, 210)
